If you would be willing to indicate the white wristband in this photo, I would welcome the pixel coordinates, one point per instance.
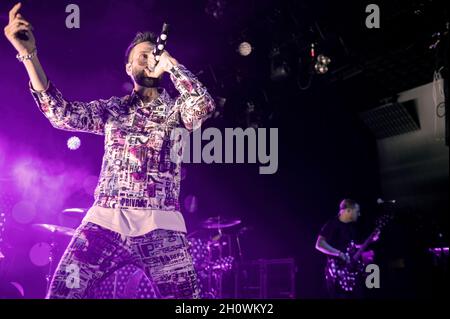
(28, 56)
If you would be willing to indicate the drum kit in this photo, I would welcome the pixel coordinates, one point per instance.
(214, 247)
(214, 253)
(56, 232)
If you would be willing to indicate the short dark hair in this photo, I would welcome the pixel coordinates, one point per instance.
(140, 37)
(347, 203)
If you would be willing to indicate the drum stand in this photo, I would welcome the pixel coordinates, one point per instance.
(51, 256)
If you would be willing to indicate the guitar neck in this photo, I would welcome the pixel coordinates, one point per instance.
(364, 245)
(381, 222)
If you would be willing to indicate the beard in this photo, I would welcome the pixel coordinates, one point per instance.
(141, 79)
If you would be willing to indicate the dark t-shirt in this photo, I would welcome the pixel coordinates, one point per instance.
(339, 234)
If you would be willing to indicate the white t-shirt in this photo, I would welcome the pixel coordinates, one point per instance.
(135, 222)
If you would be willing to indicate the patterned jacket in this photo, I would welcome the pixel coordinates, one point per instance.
(137, 171)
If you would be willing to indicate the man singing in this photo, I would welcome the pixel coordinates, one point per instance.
(136, 217)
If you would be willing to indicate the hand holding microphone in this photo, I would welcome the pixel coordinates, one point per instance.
(163, 60)
(19, 32)
(161, 43)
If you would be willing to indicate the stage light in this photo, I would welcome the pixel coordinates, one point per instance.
(73, 143)
(322, 59)
(245, 49)
(321, 68)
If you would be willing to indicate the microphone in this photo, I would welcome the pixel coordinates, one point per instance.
(157, 51)
(382, 201)
(161, 43)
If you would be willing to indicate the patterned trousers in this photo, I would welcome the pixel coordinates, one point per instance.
(96, 252)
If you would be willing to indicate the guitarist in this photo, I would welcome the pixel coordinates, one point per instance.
(333, 240)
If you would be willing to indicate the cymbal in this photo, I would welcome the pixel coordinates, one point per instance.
(77, 212)
(219, 222)
(55, 229)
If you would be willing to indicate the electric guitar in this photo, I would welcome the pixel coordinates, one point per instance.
(347, 273)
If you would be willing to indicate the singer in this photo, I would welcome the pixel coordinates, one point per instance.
(135, 217)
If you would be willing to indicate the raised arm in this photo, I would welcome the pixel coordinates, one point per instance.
(88, 117)
(19, 33)
(195, 103)
(62, 114)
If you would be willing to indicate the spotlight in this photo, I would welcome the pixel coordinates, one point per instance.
(245, 49)
(321, 68)
(312, 51)
(322, 59)
(73, 143)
